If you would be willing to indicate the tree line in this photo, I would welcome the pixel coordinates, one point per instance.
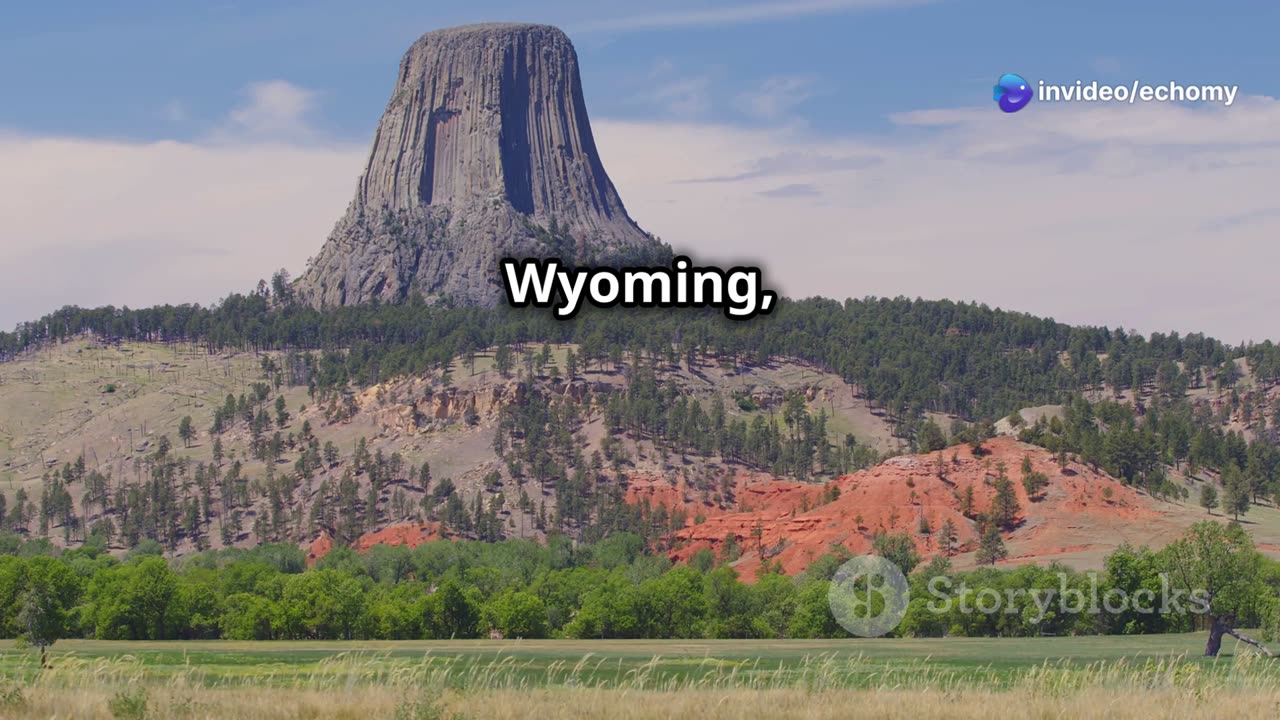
(612, 588)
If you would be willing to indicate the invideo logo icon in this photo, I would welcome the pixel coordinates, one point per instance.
(1012, 92)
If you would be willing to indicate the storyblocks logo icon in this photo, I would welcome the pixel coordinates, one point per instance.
(868, 596)
(1012, 92)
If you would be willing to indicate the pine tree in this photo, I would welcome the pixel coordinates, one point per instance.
(186, 431)
(930, 437)
(1033, 482)
(1208, 497)
(1235, 492)
(502, 360)
(282, 415)
(571, 365)
(991, 546)
(1004, 507)
(947, 536)
(424, 477)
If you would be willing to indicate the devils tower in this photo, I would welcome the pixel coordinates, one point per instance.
(484, 151)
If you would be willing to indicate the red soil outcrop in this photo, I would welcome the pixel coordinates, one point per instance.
(793, 523)
(751, 490)
(319, 548)
(410, 534)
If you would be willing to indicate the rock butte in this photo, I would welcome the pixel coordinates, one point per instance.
(484, 151)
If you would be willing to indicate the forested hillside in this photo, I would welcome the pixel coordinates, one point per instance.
(906, 355)
(260, 420)
(140, 441)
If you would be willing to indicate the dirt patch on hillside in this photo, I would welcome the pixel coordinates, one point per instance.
(318, 548)
(409, 534)
(749, 492)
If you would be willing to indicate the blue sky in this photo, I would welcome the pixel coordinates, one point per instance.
(194, 147)
(161, 69)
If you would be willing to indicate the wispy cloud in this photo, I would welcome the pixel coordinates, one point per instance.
(1250, 217)
(274, 109)
(1110, 65)
(794, 190)
(175, 111)
(684, 97)
(1250, 120)
(777, 96)
(794, 163)
(738, 14)
(168, 221)
(677, 92)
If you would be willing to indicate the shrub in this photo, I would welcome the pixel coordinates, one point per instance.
(1034, 482)
(129, 704)
(13, 698)
(422, 708)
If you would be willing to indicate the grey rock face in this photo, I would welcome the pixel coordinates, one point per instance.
(484, 151)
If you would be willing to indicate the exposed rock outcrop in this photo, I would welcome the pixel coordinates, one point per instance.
(1082, 514)
(483, 151)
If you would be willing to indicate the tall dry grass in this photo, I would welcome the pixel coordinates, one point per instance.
(362, 687)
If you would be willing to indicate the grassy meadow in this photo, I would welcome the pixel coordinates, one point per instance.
(1145, 676)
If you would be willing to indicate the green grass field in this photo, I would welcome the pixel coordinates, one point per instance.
(1130, 677)
(607, 663)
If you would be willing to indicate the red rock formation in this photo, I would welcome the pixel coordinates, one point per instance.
(1080, 511)
(409, 534)
(894, 496)
(319, 548)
